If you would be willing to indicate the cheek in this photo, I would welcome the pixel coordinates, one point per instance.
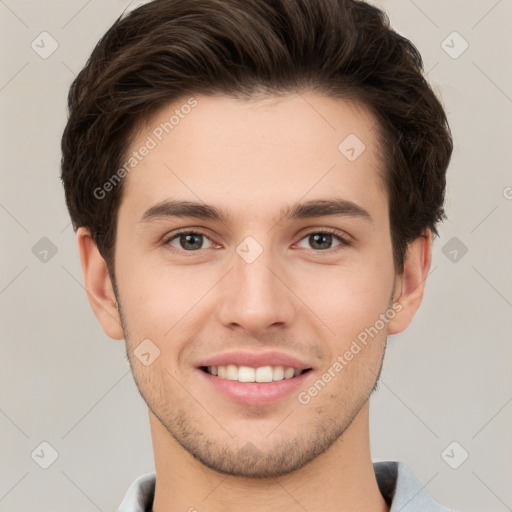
(160, 301)
(347, 299)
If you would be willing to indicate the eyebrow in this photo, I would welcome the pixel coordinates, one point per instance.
(309, 209)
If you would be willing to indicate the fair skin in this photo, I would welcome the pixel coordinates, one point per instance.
(305, 297)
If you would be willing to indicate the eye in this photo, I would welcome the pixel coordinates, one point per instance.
(193, 241)
(189, 241)
(322, 240)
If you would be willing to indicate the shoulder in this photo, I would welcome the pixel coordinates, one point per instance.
(139, 496)
(402, 490)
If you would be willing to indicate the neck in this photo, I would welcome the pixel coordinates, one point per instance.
(341, 479)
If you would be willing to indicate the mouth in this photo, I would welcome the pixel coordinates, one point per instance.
(256, 387)
(249, 374)
(254, 378)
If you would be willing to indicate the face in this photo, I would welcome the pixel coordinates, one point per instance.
(286, 262)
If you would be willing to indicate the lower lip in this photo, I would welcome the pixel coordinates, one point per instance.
(255, 393)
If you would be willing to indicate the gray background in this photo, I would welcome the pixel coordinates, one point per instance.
(447, 378)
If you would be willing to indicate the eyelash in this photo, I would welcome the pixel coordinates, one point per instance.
(344, 242)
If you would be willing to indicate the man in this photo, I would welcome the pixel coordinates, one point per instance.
(255, 187)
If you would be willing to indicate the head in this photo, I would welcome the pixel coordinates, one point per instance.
(253, 109)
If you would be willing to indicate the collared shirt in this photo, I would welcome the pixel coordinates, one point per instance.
(397, 484)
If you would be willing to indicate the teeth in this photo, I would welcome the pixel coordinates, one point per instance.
(264, 374)
(249, 374)
(289, 373)
(246, 374)
(278, 373)
(231, 372)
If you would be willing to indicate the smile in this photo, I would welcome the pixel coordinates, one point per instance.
(250, 374)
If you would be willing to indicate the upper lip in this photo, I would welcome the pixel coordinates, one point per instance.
(256, 360)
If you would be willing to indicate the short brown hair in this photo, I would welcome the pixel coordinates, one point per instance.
(167, 49)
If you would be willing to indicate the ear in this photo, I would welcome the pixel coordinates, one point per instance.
(98, 285)
(411, 283)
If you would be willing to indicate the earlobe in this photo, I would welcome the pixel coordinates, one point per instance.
(412, 282)
(98, 285)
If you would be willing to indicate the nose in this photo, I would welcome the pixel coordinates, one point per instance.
(256, 296)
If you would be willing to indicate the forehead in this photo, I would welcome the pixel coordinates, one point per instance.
(240, 154)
